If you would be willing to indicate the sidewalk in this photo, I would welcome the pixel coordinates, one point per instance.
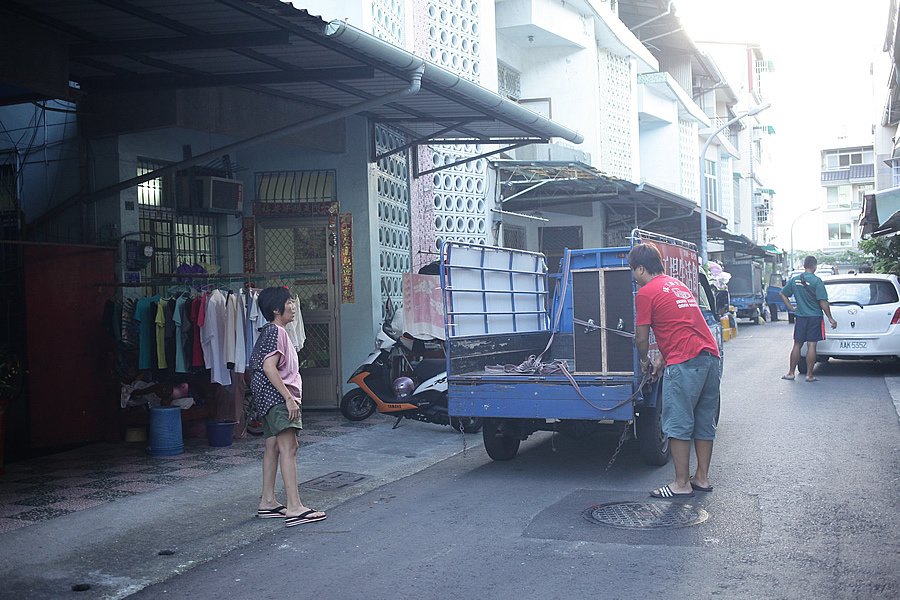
(114, 518)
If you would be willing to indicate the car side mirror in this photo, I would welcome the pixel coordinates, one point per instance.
(722, 302)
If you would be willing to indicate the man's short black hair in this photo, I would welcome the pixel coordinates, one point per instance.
(272, 300)
(809, 262)
(646, 255)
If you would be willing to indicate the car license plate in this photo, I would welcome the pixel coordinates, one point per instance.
(848, 345)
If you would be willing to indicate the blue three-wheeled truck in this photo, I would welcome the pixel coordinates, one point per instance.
(528, 352)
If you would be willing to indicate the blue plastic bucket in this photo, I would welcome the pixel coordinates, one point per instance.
(219, 433)
(165, 431)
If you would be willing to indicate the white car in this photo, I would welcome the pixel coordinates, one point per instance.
(866, 307)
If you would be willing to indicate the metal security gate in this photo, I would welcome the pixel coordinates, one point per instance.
(303, 247)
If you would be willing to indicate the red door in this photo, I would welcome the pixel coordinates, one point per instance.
(71, 391)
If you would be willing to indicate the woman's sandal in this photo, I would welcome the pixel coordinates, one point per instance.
(304, 518)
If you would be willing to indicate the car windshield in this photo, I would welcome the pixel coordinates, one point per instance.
(864, 293)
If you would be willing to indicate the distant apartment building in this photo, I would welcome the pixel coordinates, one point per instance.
(848, 175)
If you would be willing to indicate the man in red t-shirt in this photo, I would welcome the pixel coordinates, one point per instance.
(690, 356)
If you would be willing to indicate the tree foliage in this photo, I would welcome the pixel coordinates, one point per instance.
(832, 257)
(885, 252)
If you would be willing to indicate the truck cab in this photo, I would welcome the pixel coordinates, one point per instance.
(774, 300)
(746, 290)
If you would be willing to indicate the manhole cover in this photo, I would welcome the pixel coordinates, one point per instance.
(645, 515)
(334, 481)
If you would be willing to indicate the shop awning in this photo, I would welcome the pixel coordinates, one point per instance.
(548, 185)
(881, 213)
(268, 46)
(742, 246)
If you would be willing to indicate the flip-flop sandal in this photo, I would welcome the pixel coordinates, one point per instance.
(700, 488)
(787, 377)
(811, 379)
(666, 492)
(272, 513)
(304, 518)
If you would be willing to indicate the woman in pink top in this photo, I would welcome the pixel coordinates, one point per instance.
(277, 393)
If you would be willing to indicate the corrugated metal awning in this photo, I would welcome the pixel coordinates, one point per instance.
(272, 47)
(545, 185)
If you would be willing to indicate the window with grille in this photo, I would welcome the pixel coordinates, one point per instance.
(176, 238)
(294, 187)
(509, 81)
(895, 172)
(514, 237)
(155, 192)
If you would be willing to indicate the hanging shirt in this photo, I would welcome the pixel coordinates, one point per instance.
(212, 337)
(247, 298)
(181, 365)
(295, 330)
(228, 340)
(161, 334)
(187, 332)
(257, 320)
(240, 347)
(198, 316)
(146, 331)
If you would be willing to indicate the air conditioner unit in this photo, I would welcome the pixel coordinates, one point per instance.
(205, 193)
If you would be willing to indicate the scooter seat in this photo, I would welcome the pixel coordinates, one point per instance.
(429, 367)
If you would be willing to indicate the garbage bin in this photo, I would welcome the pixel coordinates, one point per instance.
(165, 431)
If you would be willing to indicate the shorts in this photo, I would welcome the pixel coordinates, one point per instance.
(278, 419)
(809, 329)
(691, 398)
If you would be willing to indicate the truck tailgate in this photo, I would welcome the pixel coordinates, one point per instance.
(540, 396)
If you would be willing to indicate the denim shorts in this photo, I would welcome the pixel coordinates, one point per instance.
(691, 398)
(809, 329)
(278, 419)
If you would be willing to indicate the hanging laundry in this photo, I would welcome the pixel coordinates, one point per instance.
(178, 316)
(212, 334)
(146, 319)
(295, 330)
(198, 316)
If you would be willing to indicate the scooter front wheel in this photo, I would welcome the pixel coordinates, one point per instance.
(356, 405)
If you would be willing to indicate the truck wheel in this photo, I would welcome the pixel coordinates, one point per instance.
(773, 310)
(790, 317)
(501, 439)
(754, 316)
(356, 406)
(469, 424)
(801, 366)
(653, 443)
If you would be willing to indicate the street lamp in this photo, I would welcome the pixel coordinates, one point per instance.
(794, 222)
(703, 200)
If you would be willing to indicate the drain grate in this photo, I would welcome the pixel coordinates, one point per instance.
(645, 515)
(334, 481)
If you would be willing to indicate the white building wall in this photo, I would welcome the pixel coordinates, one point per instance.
(688, 159)
(618, 109)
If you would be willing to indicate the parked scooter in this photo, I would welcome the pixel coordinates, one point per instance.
(391, 383)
